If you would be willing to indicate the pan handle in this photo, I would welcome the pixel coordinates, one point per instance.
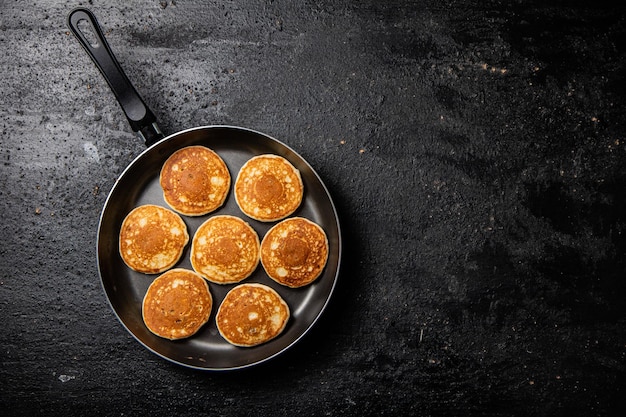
(86, 29)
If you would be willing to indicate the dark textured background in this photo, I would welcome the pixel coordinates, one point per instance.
(476, 151)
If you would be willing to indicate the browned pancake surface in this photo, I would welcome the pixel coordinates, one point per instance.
(177, 304)
(195, 181)
(294, 252)
(268, 188)
(252, 314)
(152, 239)
(225, 249)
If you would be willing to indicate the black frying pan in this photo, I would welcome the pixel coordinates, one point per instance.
(139, 184)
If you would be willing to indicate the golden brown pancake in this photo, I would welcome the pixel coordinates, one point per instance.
(177, 304)
(294, 252)
(225, 249)
(195, 181)
(152, 239)
(251, 314)
(268, 188)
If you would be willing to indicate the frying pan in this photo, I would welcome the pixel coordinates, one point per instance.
(139, 184)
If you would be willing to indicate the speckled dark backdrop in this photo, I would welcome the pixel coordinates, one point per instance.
(476, 151)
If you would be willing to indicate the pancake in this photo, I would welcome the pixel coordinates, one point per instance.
(251, 314)
(177, 304)
(152, 239)
(268, 188)
(294, 252)
(225, 249)
(195, 181)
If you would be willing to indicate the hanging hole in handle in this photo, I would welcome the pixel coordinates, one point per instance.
(86, 29)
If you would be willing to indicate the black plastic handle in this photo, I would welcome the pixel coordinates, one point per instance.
(86, 29)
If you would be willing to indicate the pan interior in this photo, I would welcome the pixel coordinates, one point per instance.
(125, 289)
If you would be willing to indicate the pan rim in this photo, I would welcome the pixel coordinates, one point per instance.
(310, 324)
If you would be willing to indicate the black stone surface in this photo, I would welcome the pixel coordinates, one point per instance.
(476, 151)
